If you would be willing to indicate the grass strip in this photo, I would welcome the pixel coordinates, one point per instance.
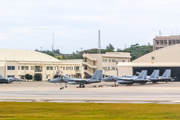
(87, 111)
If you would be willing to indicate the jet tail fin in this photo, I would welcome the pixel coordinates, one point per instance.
(155, 74)
(167, 73)
(97, 75)
(142, 75)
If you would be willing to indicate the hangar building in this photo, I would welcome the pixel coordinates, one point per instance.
(165, 58)
(18, 63)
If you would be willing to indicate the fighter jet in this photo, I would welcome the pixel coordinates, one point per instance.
(129, 80)
(9, 79)
(94, 79)
(165, 77)
(133, 79)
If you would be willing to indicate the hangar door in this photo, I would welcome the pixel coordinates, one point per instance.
(175, 71)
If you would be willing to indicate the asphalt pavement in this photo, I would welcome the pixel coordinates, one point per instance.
(168, 93)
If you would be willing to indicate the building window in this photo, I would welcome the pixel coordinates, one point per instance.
(109, 60)
(18, 67)
(32, 67)
(22, 76)
(77, 67)
(113, 68)
(22, 67)
(51, 68)
(63, 68)
(72, 68)
(11, 67)
(11, 76)
(157, 42)
(57, 67)
(66, 68)
(165, 42)
(116, 62)
(108, 68)
(113, 60)
(169, 42)
(104, 60)
(47, 68)
(104, 68)
(123, 60)
(161, 42)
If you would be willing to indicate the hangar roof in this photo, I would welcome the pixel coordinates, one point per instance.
(25, 55)
(166, 54)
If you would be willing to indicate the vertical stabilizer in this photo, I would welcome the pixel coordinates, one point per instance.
(97, 75)
(1, 76)
(155, 74)
(167, 73)
(143, 74)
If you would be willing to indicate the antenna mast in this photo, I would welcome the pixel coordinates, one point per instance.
(99, 43)
(53, 44)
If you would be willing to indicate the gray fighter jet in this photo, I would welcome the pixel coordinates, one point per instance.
(133, 79)
(129, 80)
(94, 79)
(9, 79)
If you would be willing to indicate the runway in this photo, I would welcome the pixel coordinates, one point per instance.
(49, 92)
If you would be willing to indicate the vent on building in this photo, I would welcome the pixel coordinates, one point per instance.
(152, 58)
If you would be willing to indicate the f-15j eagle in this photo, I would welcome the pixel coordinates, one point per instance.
(94, 79)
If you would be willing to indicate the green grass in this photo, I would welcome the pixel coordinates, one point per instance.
(86, 111)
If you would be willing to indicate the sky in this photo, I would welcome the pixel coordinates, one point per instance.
(30, 24)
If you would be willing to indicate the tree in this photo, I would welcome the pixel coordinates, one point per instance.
(38, 77)
(119, 50)
(110, 47)
(28, 77)
(57, 51)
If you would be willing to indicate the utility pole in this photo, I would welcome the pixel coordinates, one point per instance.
(99, 43)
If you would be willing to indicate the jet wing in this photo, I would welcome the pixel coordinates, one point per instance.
(75, 81)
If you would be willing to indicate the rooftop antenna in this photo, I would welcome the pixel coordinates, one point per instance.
(99, 43)
(53, 44)
(159, 33)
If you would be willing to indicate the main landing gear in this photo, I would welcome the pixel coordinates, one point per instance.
(143, 83)
(154, 82)
(130, 84)
(81, 86)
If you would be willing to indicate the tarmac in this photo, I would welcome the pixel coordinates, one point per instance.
(168, 93)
